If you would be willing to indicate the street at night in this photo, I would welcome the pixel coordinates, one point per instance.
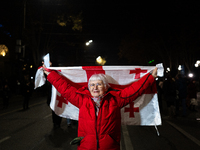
(33, 130)
(137, 63)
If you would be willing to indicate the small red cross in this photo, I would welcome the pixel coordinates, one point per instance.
(61, 100)
(137, 71)
(132, 109)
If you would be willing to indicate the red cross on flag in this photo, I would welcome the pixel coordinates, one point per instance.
(143, 111)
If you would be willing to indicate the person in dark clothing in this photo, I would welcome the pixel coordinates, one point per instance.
(6, 95)
(169, 89)
(192, 95)
(27, 88)
(160, 93)
(18, 87)
(56, 119)
(182, 94)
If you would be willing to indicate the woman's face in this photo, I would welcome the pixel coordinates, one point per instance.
(97, 88)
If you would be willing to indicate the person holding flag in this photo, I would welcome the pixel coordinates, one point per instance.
(99, 106)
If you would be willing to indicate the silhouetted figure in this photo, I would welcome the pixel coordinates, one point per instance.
(169, 89)
(56, 119)
(192, 95)
(27, 89)
(6, 95)
(182, 94)
(160, 93)
(18, 87)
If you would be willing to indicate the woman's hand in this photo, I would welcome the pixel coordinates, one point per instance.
(154, 73)
(46, 72)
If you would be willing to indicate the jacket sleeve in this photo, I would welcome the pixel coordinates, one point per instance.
(135, 90)
(65, 89)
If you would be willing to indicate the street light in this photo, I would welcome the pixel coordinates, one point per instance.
(197, 63)
(179, 67)
(168, 69)
(190, 75)
(88, 43)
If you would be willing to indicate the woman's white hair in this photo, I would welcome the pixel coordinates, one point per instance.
(101, 77)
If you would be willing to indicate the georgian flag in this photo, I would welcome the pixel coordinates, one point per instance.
(143, 111)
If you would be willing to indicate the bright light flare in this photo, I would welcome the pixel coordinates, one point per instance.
(179, 67)
(197, 63)
(190, 75)
(168, 69)
(3, 53)
(88, 43)
(100, 60)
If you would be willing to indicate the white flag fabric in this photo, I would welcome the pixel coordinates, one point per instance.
(143, 111)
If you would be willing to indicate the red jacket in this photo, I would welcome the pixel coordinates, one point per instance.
(100, 132)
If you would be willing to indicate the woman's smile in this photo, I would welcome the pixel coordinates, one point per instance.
(97, 88)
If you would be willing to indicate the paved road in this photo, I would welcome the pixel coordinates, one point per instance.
(32, 130)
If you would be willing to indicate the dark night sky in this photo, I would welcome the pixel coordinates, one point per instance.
(114, 21)
(107, 23)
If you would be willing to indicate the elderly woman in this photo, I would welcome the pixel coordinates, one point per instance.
(99, 108)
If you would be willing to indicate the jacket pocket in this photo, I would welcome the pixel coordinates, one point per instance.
(109, 143)
(88, 142)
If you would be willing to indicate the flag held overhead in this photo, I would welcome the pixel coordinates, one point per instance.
(143, 111)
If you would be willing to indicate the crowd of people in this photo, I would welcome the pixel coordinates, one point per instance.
(23, 87)
(179, 94)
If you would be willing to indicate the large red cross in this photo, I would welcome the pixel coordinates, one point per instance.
(137, 71)
(90, 70)
(61, 100)
(132, 109)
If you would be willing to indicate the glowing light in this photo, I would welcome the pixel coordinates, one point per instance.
(3, 53)
(3, 50)
(197, 63)
(89, 42)
(190, 75)
(179, 67)
(100, 60)
(31, 66)
(151, 61)
(168, 69)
